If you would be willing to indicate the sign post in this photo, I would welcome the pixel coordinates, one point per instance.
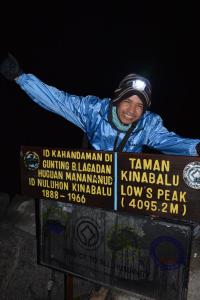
(121, 220)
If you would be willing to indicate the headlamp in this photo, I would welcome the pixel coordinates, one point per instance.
(138, 85)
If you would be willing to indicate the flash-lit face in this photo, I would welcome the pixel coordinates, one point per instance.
(130, 110)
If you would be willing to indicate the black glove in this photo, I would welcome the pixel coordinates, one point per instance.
(10, 68)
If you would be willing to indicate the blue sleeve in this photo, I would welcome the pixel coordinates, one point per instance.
(75, 109)
(168, 142)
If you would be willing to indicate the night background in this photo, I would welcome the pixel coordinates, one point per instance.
(87, 48)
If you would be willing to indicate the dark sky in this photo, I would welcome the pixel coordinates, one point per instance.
(86, 49)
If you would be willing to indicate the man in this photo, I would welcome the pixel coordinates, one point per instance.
(122, 123)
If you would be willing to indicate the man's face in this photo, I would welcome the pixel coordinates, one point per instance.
(130, 110)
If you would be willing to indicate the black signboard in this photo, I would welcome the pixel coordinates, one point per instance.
(148, 184)
(74, 176)
(160, 185)
(134, 253)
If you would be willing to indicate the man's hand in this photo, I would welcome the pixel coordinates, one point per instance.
(10, 68)
(101, 294)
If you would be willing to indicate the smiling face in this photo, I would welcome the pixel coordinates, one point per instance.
(130, 110)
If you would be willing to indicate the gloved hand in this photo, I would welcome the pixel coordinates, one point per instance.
(10, 68)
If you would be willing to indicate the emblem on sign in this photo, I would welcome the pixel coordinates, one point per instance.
(31, 160)
(87, 233)
(191, 175)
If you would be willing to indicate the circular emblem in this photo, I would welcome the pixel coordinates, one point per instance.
(87, 233)
(31, 160)
(167, 253)
(191, 175)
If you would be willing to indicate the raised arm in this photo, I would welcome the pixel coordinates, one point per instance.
(169, 142)
(76, 109)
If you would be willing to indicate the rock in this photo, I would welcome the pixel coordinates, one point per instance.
(4, 203)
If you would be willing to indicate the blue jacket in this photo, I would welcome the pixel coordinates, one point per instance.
(91, 114)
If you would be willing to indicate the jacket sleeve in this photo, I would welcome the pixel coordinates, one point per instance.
(75, 109)
(167, 142)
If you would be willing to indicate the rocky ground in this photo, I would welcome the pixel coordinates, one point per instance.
(21, 278)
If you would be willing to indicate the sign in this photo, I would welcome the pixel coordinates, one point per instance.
(74, 176)
(134, 253)
(148, 184)
(160, 185)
